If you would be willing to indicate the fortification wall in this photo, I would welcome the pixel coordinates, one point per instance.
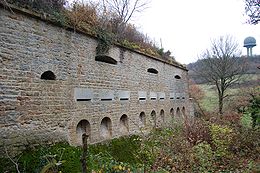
(105, 100)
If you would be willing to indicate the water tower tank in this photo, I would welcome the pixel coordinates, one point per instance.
(249, 43)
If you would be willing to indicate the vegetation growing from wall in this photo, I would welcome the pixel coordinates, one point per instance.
(94, 19)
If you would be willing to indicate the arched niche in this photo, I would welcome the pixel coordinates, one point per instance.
(106, 59)
(152, 70)
(83, 127)
(162, 116)
(153, 118)
(178, 112)
(106, 128)
(183, 111)
(48, 75)
(124, 127)
(142, 119)
(172, 112)
(177, 77)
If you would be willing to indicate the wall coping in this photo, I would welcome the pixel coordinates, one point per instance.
(47, 18)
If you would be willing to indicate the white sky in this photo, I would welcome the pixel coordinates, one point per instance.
(186, 26)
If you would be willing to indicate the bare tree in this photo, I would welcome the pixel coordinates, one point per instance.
(122, 11)
(125, 9)
(252, 8)
(221, 66)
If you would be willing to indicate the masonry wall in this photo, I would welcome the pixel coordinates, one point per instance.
(104, 100)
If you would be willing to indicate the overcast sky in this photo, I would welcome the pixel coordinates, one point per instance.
(186, 26)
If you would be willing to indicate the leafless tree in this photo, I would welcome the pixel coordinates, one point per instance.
(125, 9)
(221, 66)
(252, 8)
(122, 11)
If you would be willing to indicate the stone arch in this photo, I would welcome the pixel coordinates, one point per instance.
(106, 128)
(106, 59)
(172, 112)
(152, 70)
(83, 127)
(178, 112)
(142, 119)
(183, 111)
(48, 75)
(177, 77)
(162, 116)
(124, 126)
(153, 118)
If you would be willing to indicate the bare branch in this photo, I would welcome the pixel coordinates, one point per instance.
(15, 163)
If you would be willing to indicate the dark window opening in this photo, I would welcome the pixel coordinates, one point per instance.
(183, 97)
(106, 99)
(177, 77)
(171, 98)
(82, 100)
(153, 98)
(178, 98)
(124, 98)
(161, 98)
(106, 59)
(152, 70)
(48, 75)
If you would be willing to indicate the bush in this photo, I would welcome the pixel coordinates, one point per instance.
(48, 6)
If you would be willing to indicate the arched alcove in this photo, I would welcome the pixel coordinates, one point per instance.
(106, 59)
(183, 111)
(83, 127)
(124, 127)
(162, 116)
(153, 117)
(172, 112)
(178, 112)
(152, 70)
(48, 75)
(106, 128)
(177, 77)
(142, 119)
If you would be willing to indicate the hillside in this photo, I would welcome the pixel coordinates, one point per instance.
(252, 72)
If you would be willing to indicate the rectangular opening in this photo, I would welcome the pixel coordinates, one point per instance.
(178, 98)
(83, 100)
(171, 98)
(106, 99)
(142, 98)
(183, 97)
(161, 98)
(124, 98)
(153, 98)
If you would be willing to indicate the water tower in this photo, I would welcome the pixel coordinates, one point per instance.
(249, 43)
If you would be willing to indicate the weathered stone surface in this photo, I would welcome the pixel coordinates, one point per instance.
(34, 110)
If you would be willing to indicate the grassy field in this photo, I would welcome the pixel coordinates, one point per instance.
(210, 100)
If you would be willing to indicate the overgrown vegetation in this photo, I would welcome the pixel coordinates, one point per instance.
(199, 145)
(108, 21)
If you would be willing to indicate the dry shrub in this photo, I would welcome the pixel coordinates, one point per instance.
(83, 16)
(48, 6)
(196, 131)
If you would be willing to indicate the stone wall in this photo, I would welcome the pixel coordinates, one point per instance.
(52, 88)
